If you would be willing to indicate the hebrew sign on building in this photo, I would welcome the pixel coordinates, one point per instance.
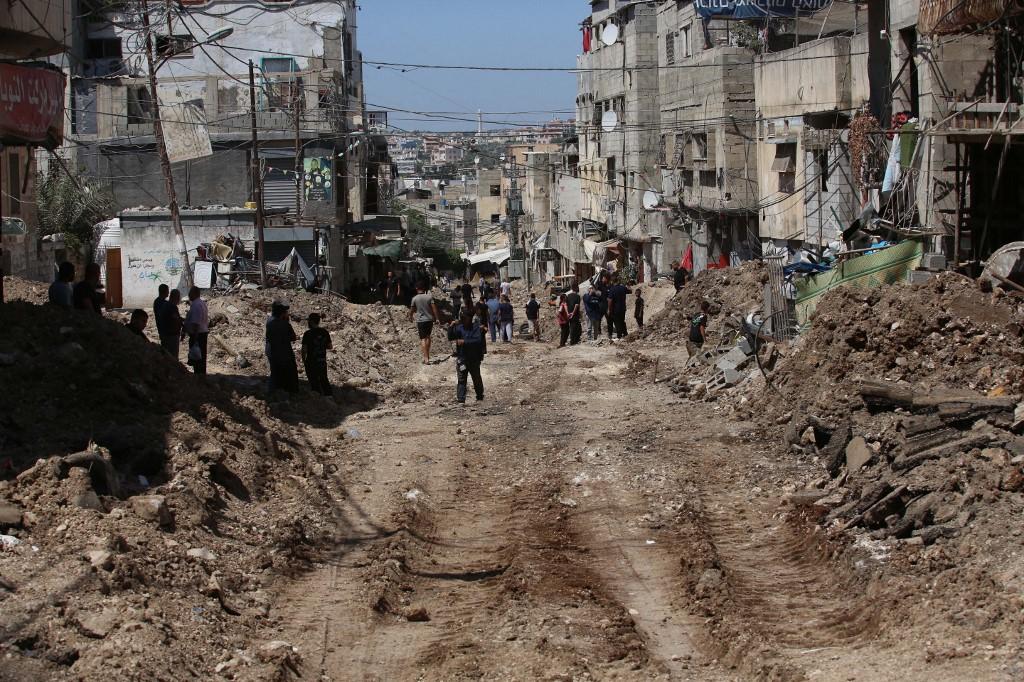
(183, 120)
(758, 9)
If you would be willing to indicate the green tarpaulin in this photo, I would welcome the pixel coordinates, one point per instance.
(392, 250)
(887, 266)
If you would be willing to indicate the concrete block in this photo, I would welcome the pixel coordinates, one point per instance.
(733, 360)
(918, 276)
(745, 346)
(933, 261)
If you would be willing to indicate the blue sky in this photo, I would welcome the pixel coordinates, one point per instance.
(478, 32)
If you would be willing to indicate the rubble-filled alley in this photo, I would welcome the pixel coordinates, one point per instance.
(853, 517)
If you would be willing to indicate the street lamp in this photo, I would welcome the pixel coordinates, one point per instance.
(161, 146)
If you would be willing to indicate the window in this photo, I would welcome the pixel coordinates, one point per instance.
(708, 178)
(611, 171)
(685, 34)
(670, 48)
(700, 146)
(103, 48)
(174, 46)
(495, 218)
(687, 178)
(279, 65)
(785, 165)
(432, 207)
(495, 190)
(14, 184)
(679, 152)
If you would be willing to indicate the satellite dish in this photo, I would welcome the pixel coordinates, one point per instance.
(651, 200)
(609, 121)
(610, 34)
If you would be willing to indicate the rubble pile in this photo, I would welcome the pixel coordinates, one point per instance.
(144, 513)
(730, 291)
(20, 289)
(374, 345)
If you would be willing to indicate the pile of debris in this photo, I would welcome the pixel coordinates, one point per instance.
(145, 513)
(19, 289)
(732, 293)
(374, 345)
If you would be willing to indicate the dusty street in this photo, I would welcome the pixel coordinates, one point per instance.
(580, 525)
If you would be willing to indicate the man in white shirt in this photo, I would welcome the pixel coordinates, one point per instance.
(197, 326)
(506, 288)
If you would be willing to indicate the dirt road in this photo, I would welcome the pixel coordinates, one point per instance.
(576, 525)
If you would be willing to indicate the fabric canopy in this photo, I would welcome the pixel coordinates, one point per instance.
(392, 250)
(542, 242)
(498, 256)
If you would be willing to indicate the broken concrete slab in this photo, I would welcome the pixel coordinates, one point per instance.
(10, 516)
(100, 558)
(99, 625)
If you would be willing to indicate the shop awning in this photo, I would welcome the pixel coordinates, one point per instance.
(498, 256)
(956, 16)
(542, 242)
(598, 251)
(392, 250)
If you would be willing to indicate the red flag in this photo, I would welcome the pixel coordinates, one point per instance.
(586, 39)
(688, 257)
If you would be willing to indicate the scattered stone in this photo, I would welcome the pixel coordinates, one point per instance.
(202, 554)
(10, 516)
(88, 499)
(101, 558)
(857, 454)
(99, 625)
(153, 508)
(418, 615)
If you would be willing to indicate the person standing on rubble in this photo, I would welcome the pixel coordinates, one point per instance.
(593, 306)
(680, 275)
(638, 308)
(506, 287)
(492, 314)
(315, 344)
(533, 316)
(284, 374)
(467, 294)
(423, 309)
(698, 329)
(197, 326)
(390, 287)
(169, 324)
(470, 349)
(60, 292)
(162, 292)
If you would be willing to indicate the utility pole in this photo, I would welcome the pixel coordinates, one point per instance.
(299, 174)
(257, 181)
(161, 149)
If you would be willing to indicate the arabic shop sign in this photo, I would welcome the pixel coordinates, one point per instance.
(758, 9)
(31, 105)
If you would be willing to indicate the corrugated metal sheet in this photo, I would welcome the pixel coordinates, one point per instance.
(279, 183)
(278, 251)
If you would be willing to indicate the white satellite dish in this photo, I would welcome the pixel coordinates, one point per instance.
(651, 200)
(609, 121)
(610, 34)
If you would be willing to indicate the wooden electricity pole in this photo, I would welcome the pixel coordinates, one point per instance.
(257, 180)
(161, 149)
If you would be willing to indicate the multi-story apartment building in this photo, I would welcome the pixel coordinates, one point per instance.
(617, 124)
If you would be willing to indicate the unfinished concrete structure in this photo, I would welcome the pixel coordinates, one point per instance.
(617, 124)
(708, 164)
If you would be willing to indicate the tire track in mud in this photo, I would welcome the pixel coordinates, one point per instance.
(478, 576)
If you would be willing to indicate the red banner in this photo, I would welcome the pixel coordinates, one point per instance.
(31, 105)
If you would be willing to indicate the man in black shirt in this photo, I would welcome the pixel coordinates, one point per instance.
(162, 292)
(680, 276)
(169, 324)
(533, 316)
(137, 324)
(617, 307)
(467, 294)
(470, 348)
(315, 344)
(575, 305)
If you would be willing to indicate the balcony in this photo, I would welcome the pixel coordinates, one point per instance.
(31, 29)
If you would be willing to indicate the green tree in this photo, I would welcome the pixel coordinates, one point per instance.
(424, 238)
(72, 206)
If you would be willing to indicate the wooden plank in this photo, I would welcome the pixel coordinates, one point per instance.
(114, 282)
